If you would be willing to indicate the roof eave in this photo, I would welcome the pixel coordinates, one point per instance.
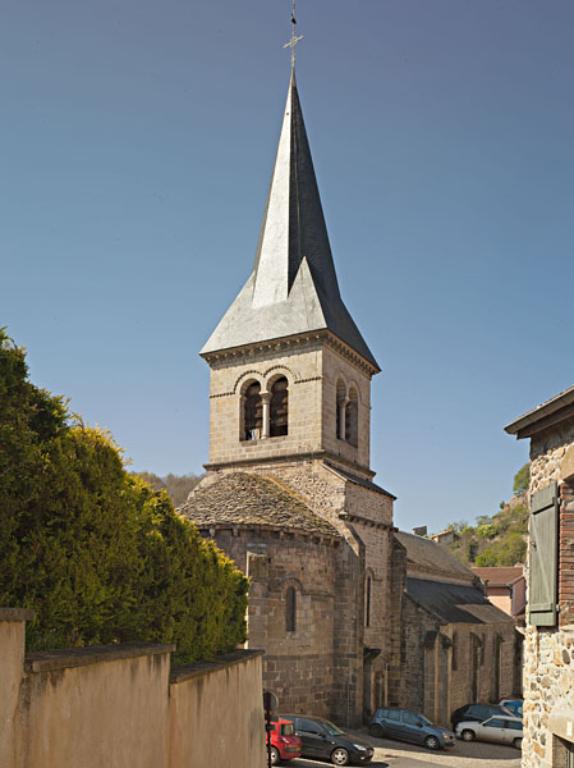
(212, 354)
(548, 414)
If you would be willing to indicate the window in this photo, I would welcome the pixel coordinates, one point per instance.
(495, 722)
(341, 406)
(454, 653)
(513, 725)
(279, 408)
(368, 589)
(409, 718)
(252, 412)
(291, 610)
(308, 726)
(352, 418)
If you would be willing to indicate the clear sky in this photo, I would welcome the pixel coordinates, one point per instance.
(137, 139)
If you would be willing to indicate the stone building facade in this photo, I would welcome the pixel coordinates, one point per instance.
(549, 645)
(289, 492)
(456, 647)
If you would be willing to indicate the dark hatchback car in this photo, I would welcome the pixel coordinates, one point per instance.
(406, 725)
(476, 713)
(322, 739)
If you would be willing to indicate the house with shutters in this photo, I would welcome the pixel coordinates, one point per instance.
(549, 641)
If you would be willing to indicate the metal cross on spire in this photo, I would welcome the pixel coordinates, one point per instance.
(295, 38)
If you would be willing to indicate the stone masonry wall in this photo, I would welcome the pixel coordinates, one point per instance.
(548, 688)
(298, 667)
(336, 368)
(549, 652)
(431, 683)
(302, 367)
(312, 369)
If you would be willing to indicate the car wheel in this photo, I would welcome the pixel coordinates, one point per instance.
(467, 735)
(275, 756)
(340, 756)
(517, 743)
(377, 730)
(431, 742)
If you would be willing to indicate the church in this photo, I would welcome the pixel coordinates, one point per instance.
(289, 493)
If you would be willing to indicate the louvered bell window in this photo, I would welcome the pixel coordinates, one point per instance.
(279, 408)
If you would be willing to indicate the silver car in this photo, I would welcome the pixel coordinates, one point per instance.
(502, 730)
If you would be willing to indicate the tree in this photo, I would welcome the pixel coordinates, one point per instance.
(98, 554)
(178, 486)
(522, 480)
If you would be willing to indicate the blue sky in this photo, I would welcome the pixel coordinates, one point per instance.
(137, 141)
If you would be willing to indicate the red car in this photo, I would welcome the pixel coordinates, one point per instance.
(284, 744)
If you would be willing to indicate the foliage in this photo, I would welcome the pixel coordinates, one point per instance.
(506, 551)
(522, 480)
(178, 486)
(495, 540)
(98, 554)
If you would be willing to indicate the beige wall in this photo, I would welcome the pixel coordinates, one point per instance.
(114, 707)
(216, 717)
(12, 629)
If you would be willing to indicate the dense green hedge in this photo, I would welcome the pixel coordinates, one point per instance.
(97, 553)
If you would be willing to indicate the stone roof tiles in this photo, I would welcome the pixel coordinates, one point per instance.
(246, 499)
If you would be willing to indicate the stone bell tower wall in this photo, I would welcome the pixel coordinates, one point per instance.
(301, 364)
(341, 369)
(315, 368)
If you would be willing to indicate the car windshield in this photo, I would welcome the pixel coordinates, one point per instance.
(331, 728)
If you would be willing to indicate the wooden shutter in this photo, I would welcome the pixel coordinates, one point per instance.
(543, 562)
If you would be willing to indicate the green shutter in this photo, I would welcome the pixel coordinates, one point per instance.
(543, 557)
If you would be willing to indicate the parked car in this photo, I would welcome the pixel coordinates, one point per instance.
(285, 744)
(500, 729)
(322, 739)
(514, 706)
(476, 713)
(406, 725)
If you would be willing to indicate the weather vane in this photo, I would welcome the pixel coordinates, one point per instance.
(294, 37)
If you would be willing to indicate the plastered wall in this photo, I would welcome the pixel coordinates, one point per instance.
(123, 706)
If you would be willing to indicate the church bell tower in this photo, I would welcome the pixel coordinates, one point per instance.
(290, 371)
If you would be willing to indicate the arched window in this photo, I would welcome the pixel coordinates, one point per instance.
(341, 401)
(291, 609)
(252, 412)
(279, 408)
(352, 419)
(368, 594)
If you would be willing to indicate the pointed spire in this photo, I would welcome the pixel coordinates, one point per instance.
(294, 225)
(293, 288)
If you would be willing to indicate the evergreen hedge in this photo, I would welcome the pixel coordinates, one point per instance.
(96, 552)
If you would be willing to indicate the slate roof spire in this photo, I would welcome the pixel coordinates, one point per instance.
(293, 287)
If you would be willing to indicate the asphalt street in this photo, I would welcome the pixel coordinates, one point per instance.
(392, 754)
